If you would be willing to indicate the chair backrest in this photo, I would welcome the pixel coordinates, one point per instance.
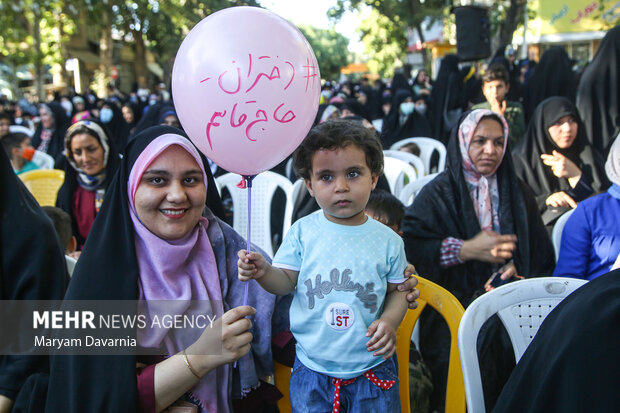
(410, 158)
(44, 184)
(395, 171)
(451, 309)
(412, 188)
(522, 306)
(264, 186)
(427, 147)
(43, 160)
(378, 124)
(556, 233)
(70, 264)
(282, 375)
(293, 196)
(21, 129)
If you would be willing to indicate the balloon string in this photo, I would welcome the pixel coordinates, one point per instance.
(248, 180)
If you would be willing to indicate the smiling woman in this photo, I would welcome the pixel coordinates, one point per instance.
(167, 245)
(171, 194)
(91, 160)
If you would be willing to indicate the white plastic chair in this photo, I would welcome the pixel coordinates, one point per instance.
(427, 147)
(395, 171)
(410, 158)
(412, 188)
(70, 264)
(292, 197)
(558, 228)
(264, 187)
(378, 124)
(522, 306)
(21, 129)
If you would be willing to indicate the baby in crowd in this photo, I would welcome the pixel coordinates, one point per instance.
(344, 268)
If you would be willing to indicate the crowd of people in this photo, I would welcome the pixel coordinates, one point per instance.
(140, 212)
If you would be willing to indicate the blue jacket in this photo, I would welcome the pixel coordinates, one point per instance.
(591, 238)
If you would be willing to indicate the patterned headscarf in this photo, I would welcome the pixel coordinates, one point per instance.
(483, 189)
(88, 182)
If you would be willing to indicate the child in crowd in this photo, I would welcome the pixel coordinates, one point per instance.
(387, 209)
(495, 86)
(62, 225)
(343, 268)
(20, 152)
(384, 207)
(5, 124)
(411, 147)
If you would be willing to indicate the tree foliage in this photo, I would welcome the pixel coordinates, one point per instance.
(330, 48)
(384, 42)
(157, 25)
(32, 33)
(387, 37)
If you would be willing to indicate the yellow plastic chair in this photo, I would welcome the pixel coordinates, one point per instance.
(44, 184)
(452, 311)
(282, 375)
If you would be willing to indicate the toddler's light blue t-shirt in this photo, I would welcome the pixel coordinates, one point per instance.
(343, 276)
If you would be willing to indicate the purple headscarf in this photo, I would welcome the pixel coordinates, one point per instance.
(181, 270)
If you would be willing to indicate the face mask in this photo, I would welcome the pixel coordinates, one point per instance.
(421, 109)
(105, 115)
(67, 106)
(406, 108)
(152, 102)
(28, 153)
(326, 94)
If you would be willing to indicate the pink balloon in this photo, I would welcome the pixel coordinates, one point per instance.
(246, 86)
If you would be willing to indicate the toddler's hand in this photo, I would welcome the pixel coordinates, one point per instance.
(250, 266)
(383, 338)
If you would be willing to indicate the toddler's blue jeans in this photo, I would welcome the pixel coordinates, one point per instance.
(313, 392)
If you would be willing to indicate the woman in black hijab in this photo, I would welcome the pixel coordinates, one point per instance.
(571, 366)
(553, 76)
(447, 98)
(50, 134)
(131, 115)
(112, 116)
(473, 219)
(157, 114)
(403, 121)
(147, 255)
(598, 96)
(32, 267)
(555, 160)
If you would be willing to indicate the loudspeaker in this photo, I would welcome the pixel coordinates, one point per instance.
(473, 34)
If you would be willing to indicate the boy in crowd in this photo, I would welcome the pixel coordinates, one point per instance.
(495, 86)
(19, 151)
(68, 242)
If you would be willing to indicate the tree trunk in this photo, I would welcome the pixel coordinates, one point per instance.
(38, 59)
(105, 55)
(509, 25)
(64, 76)
(140, 60)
